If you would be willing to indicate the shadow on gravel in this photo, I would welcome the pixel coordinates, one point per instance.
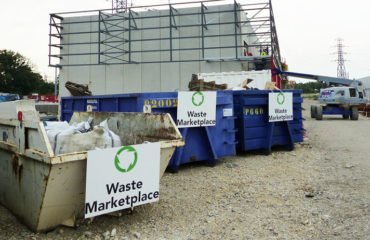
(336, 119)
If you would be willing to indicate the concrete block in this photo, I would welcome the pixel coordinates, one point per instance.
(94, 22)
(135, 46)
(210, 67)
(63, 78)
(151, 77)
(132, 82)
(231, 66)
(228, 29)
(51, 108)
(211, 31)
(94, 48)
(170, 76)
(114, 79)
(79, 33)
(79, 74)
(186, 70)
(189, 32)
(165, 33)
(97, 83)
(150, 34)
(64, 40)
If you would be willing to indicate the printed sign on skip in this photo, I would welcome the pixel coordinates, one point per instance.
(196, 109)
(280, 107)
(119, 178)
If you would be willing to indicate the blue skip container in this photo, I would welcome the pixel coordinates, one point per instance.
(255, 132)
(201, 143)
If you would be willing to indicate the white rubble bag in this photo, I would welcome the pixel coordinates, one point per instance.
(79, 137)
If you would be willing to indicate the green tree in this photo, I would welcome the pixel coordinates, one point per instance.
(310, 87)
(17, 75)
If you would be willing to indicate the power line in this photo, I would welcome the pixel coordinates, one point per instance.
(341, 68)
(119, 6)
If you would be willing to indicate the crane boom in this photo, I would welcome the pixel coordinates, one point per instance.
(320, 78)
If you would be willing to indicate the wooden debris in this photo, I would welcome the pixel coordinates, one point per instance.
(364, 109)
(200, 85)
(245, 83)
(271, 86)
(77, 89)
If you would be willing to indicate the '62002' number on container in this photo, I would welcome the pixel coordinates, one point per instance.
(162, 103)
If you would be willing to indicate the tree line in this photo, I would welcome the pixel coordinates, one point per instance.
(17, 76)
(310, 87)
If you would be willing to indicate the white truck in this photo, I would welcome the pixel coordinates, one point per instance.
(338, 100)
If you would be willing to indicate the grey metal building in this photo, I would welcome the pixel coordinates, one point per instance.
(158, 47)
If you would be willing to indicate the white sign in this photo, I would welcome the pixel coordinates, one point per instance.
(196, 109)
(228, 112)
(119, 178)
(280, 107)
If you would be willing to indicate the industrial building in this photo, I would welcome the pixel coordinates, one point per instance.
(366, 84)
(157, 48)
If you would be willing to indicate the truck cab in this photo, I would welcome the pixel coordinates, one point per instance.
(342, 95)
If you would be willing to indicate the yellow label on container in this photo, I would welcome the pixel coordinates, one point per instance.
(254, 111)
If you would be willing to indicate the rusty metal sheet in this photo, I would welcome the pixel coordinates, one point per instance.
(135, 128)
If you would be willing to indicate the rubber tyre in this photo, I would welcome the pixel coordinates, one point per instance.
(318, 113)
(346, 116)
(354, 113)
(313, 111)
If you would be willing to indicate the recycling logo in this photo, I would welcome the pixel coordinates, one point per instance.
(197, 99)
(280, 98)
(125, 159)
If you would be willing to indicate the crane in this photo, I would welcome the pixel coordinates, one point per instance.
(339, 100)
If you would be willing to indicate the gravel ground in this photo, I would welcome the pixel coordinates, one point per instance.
(321, 190)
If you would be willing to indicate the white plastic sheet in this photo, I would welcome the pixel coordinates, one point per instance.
(234, 79)
(80, 137)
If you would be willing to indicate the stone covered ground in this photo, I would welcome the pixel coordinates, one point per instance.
(321, 190)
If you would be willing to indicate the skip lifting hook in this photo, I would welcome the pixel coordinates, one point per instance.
(20, 118)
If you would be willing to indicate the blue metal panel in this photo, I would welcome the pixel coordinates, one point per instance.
(202, 143)
(335, 110)
(255, 132)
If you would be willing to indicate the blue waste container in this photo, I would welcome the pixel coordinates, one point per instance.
(201, 143)
(254, 130)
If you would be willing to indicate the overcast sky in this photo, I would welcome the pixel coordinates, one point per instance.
(307, 31)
